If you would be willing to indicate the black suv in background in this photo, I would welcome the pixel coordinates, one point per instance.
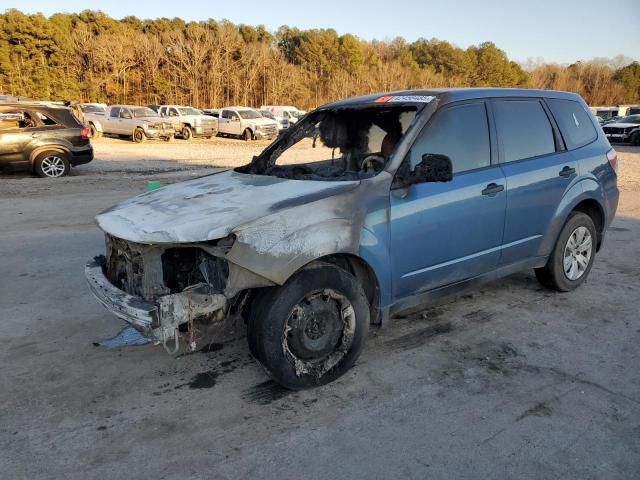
(43, 139)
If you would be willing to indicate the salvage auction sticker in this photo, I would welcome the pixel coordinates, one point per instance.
(405, 98)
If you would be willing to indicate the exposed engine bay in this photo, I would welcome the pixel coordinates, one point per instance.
(346, 144)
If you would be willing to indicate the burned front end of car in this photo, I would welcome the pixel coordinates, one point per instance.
(180, 295)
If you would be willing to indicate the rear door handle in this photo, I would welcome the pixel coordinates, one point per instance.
(35, 135)
(567, 171)
(492, 189)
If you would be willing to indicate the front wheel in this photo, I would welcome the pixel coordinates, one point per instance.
(187, 134)
(635, 139)
(247, 135)
(311, 330)
(572, 258)
(139, 136)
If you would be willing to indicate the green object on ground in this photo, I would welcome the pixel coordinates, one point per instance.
(152, 185)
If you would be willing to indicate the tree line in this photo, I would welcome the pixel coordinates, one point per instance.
(89, 56)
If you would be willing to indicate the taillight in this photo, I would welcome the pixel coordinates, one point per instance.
(86, 133)
(612, 156)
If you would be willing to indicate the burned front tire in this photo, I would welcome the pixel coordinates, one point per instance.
(311, 330)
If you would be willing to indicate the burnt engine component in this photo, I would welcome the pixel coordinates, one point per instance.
(183, 267)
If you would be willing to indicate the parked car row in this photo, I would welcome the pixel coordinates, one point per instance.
(167, 121)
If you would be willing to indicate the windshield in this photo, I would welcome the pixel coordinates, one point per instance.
(144, 112)
(189, 111)
(248, 114)
(92, 109)
(348, 143)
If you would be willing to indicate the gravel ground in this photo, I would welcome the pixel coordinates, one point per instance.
(508, 381)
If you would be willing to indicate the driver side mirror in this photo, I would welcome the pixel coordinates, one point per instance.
(433, 168)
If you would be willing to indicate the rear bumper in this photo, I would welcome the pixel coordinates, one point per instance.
(81, 156)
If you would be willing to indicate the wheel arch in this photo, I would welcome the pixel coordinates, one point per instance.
(360, 269)
(593, 209)
(48, 148)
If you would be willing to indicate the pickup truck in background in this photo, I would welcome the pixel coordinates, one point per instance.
(189, 122)
(247, 123)
(139, 123)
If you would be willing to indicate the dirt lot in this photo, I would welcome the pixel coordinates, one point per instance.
(510, 381)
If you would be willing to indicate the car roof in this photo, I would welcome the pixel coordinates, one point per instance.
(238, 108)
(448, 95)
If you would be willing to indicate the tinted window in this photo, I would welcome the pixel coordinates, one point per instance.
(114, 112)
(524, 130)
(574, 122)
(461, 133)
(226, 114)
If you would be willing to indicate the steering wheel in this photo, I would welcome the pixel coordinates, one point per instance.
(374, 163)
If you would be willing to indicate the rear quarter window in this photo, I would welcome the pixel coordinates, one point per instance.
(524, 130)
(574, 121)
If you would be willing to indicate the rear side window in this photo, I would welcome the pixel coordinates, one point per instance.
(524, 130)
(574, 121)
(45, 119)
(459, 132)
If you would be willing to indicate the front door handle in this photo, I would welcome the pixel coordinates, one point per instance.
(492, 189)
(567, 171)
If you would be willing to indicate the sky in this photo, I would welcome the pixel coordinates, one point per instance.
(560, 31)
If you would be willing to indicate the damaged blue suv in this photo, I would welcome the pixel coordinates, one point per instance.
(366, 207)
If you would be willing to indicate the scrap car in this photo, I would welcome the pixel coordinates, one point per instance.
(189, 122)
(135, 122)
(366, 207)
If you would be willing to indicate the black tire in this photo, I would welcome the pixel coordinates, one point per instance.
(247, 135)
(299, 350)
(168, 139)
(51, 165)
(139, 136)
(186, 133)
(553, 275)
(635, 139)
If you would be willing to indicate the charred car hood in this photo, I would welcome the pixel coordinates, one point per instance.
(210, 207)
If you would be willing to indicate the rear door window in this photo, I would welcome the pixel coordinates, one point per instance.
(45, 119)
(574, 121)
(524, 130)
(460, 132)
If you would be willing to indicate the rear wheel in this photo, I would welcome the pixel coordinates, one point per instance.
(247, 135)
(139, 136)
(572, 258)
(311, 330)
(51, 165)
